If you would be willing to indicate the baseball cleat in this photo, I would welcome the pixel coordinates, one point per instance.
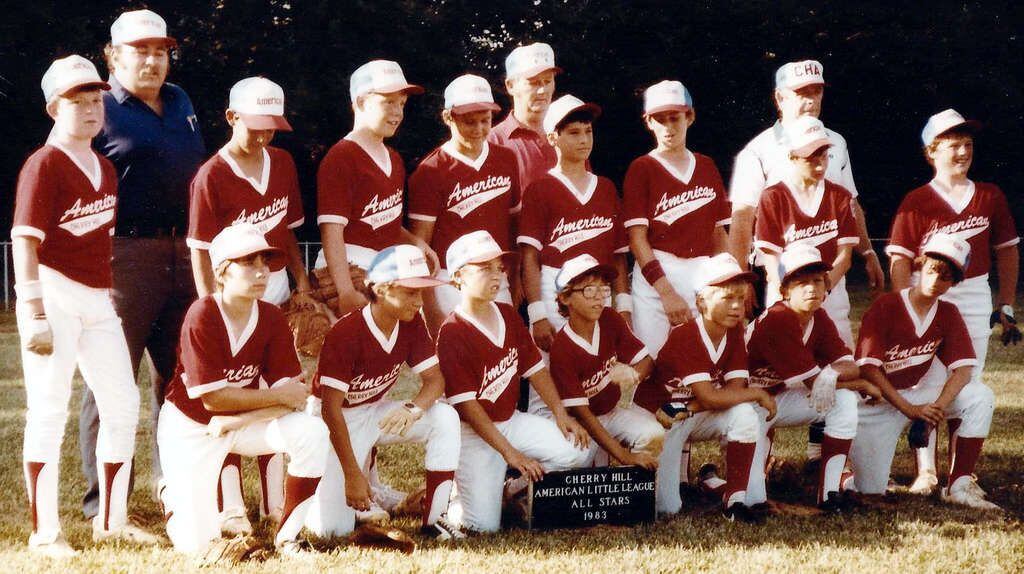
(444, 530)
(128, 532)
(708, 479)
(375, 514)
(925, 483)
(59, 549)
(965, 491)
(235, 525)
(833, 504)
(740, 512)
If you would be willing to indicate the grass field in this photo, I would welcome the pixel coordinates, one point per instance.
(918, 535)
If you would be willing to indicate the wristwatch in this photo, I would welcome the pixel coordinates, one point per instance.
(1007, 310)
(412, 408)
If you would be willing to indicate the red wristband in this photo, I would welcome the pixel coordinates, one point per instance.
(652, 272)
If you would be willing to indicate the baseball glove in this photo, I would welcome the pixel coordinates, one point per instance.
(412, 505)
(383, 538)
(327, 292)
(309, 324)
(228, 551)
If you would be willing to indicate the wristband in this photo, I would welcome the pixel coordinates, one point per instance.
(537, 311)
(28, 290)
(624, 303)
(652, 271)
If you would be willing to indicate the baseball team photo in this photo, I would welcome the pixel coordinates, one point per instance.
(514, 287)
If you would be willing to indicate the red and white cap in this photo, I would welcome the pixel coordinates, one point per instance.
(70, 73)
(241, 240)
(404, 265)
(801, 257)
(564, 106)
(795, 75)
(139, 26)
(469, 93)
(721, 268)
(944, 121)
(260, 102)
(579, 265)
(474, 247)
(528, 61)
(667, 95)
(805, 135)
(950, 248)
(381, 77)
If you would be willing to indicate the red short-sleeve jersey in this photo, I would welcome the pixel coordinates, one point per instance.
(353, 191)
(534, 154)
(70, 213)
(222, 195)
(460, 195)
(581, 368)
(680, 210)
(563, 223)
(210, 358)
(827, 224)
(484, 366)
(690, 357)
(781, 352)
(982, 218)
(894, 338)
(359, 360)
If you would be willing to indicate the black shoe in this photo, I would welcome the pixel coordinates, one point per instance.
(850, 501)
(833, 504)
(444, 530)
(740, 512)
(762, 509)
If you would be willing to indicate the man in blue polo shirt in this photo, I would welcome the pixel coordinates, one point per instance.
(151, 134)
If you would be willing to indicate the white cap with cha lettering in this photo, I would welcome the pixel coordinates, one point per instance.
(528, 61)
(69, 73)
(795, 75)
(260, 102)
(380, 77)
(469, 93)
(139, 26)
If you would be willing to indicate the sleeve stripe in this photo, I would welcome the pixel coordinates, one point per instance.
(1009, 243)
(640, 355)
(767, 246)
(297, 223)
(622, 250)
(724, 222)
(425, 364)
(534, 369)
(849, 240)
(530, 241)
(844, 358)
(737, 374)
(516, 209)
(334, 383)
(696, 378)
(637, 221)
(28, 231)
(962, 363)
(869, 361)
(283, 380)
(899, 250)
(339, 219)
(200, 390)
(813, 372)
(421, 217)
(577, 402)
(462, 397)
(197, 244)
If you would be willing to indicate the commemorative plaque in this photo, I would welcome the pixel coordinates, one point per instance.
(590, 496)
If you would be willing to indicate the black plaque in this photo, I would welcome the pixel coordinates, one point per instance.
(592, 496)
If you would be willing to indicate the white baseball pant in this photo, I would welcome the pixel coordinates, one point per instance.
(87, 333)
(633, 427)
(879, 425)
(650, 324)
(480, 478)
(192, 460)
(973, 298)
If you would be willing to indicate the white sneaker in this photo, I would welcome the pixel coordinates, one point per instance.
(965, 491)
(375, 514)
(59, 549)
(925, 483)
(387, 497)
(444, 530)
(236, 525)
(131, 533)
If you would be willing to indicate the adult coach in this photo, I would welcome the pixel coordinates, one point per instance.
(152, 136)
(799, 89)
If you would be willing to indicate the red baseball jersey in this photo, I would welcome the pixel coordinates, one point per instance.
(485, 366)
(563, 223)
(982, 218)
(460, 195)
(353, 191)
(894, 338)
(781, 352)
(827, 223)
(581, 368)
(222, 195)
(70, 209)
(210, 358)
(690, 357)
(680, 210)
(359, 360)
(534, 154)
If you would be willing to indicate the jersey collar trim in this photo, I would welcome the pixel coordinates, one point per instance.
(385, 342)
(476, 164)
(808, 330)
(582, 196)
(714, 353)
(385, 167)
(691, 166)
(259, 185)
(591, 347)
(497, 339)
(809, 209)
(95, 176)
(920, 325)
(246, 334)
(944, 192)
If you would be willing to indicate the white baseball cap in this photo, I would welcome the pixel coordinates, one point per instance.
(721, 268)
(528, 61)
(469, 93)
(950, 248)
(801, 257)
(381, 77)
(944, 121)
(241, 240)
(139, 26)
(580, 265)
(404, 265)
(795, 75)
(564, 106)
(474, 247)
(260, 102)
(805, 135)
(667, 95)
(67, 74)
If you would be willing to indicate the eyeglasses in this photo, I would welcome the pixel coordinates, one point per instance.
(594, 291)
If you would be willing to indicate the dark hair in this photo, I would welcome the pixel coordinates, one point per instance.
(800, 275)
(954, 270)
(583, 116)
(563, 309)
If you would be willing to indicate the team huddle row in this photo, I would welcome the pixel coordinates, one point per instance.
(624, 367)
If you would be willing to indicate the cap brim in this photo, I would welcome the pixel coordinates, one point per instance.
(506, 257)
(594, 109)
(795, 87)
(668, 108)
(475, 107)
(171, 42)
(973, 126)
(275, 258)
(806, 150)
(819, 266)
(949, 260)
(405, 88)
(747, 276)
(538, 70)
(87, 85)
(608, 273)
(419, 282)
(266, 122)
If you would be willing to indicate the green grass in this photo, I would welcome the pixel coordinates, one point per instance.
(920, 535)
